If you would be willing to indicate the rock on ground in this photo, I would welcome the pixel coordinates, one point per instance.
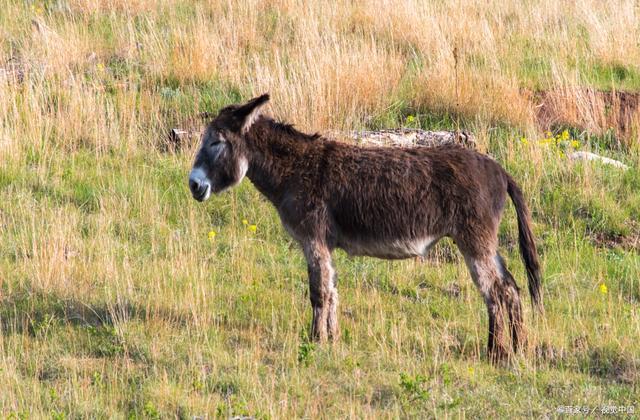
(407, 137)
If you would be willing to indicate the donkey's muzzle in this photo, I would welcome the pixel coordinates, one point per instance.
(200, 188)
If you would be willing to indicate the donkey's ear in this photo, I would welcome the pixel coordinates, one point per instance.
(248, 113)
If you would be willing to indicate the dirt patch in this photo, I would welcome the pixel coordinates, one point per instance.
(591, 110)
(611, 365)
(610, 240)
(605, 363)
(629, 242)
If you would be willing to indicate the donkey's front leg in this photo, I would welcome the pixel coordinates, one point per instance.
(322, 291)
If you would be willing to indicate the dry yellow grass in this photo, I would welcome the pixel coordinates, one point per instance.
(329, 61)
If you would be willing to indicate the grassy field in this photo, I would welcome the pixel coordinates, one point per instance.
(120, 296)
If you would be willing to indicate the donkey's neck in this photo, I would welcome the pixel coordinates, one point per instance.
(275, 152)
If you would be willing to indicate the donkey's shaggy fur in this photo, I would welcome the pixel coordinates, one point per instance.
(382, 202)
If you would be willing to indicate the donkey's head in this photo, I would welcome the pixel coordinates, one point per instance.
(221, 161)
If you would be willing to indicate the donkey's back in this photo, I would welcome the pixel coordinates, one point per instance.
(396, 203)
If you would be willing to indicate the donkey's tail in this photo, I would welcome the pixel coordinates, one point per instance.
(527, 243)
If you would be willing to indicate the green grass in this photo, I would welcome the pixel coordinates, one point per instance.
(610, 76)
(180, 325)
(115, 302)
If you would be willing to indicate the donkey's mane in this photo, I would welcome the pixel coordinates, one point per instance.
(288, 130)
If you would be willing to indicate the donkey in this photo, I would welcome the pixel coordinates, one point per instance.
(382, 202)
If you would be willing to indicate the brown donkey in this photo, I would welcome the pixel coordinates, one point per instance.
(382, 202)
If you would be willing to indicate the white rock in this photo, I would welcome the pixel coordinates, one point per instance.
(593, 156)
(407, 137)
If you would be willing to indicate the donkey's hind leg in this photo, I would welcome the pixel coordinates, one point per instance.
(511, 296)
(332, 315)
(487, 277)
(322, 291)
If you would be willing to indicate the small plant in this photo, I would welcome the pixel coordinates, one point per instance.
(411, 121)
(561, 143)
(554, 143)
(150, 411)
(40, 326)
(414, 386)
(105, 341)
(53, 394)
(446, 374)
(58, 415)
(250, 227)
(603, 288)
(305, 353)
(38, 10)
(97, 380)
(198, 385)
(226, 388)
(233, 409)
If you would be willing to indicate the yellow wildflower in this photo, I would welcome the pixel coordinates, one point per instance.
(524, 141)
(212, 235)
(252, 228)
(411, 119)
(245, 222)
(575, 144)
(565, 135)
(603, 288)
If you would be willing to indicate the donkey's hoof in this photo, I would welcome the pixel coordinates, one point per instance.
(498, 355)
(334, 337)
(319, 336)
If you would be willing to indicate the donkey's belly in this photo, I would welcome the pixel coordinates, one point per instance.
(388, 249)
